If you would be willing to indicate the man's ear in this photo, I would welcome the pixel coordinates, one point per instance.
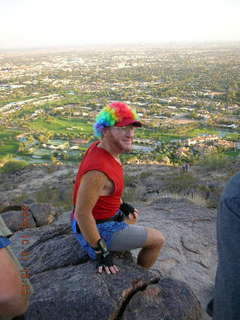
(104, 131)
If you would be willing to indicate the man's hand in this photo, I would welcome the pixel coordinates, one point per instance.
(131, 214)
(132, 217)
(104, 258)
(105, 263)
(126, 208)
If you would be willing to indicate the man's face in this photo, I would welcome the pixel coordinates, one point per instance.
(121, 138)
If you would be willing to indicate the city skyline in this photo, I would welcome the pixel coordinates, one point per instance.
(31, 23)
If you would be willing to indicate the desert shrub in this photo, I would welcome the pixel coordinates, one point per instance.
(135, 194)
(145, 174)
(19, 199)
(129, 194)
(215, 162)
(193, 197)
(197, 199)
(55, 196)
(5, 159)
(130, 181)
(184, 182)
(45, 192)
(162, 158)
(13, 165)
(125, 158)
(51, 168)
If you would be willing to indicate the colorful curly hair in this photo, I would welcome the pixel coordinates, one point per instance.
(116, 114)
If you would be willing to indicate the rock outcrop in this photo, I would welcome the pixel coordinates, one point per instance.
(190, 250)
(24, 216)
(66, 285)
(14, 217)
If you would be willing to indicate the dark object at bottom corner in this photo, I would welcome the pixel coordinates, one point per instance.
(209, 308)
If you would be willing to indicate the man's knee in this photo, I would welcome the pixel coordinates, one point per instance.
(154, 238)
(11, 303)
(12, 300)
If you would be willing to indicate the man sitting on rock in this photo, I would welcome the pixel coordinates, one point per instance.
(101, 221)
(14, 290)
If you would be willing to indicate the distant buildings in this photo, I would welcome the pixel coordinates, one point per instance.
(201, 139)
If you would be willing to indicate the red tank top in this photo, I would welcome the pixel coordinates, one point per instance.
(101, 160)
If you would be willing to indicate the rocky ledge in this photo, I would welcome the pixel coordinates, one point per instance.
(66, 285)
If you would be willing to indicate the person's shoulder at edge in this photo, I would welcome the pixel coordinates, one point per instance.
(232, 188)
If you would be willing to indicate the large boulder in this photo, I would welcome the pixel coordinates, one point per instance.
(78, 292)
(43, 213)
(66, 285)
(46, 248)
(17, 218)
(189, 253)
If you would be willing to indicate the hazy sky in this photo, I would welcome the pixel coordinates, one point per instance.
(32, 23)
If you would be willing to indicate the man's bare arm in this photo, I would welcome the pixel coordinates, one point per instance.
(93, 185)
(13, 301)
(90, 189)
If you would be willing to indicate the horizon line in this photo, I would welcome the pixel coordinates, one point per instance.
(170, 43)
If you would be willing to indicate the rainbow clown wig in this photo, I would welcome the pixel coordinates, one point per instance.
(116, 114)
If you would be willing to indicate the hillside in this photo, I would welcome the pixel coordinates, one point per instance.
(187, 98)
(143, 183)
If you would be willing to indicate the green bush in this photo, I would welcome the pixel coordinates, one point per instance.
(215, 162)
(13, 165)
(5, 159)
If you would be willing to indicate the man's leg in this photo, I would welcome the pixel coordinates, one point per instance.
(151, 249)
(149, 240)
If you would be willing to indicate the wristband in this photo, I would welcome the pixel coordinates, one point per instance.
(101, 246)
(103, 256)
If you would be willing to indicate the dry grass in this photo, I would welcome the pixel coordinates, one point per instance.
(194, 197)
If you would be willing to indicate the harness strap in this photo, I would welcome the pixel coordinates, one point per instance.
(119, 217)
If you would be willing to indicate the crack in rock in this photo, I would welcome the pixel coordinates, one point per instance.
(128, 294)
(188, 249)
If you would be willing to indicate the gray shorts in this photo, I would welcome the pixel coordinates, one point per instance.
(129, 238)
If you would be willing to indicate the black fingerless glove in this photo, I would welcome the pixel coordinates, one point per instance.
(104, 257)
(126, 208)
(104, 260)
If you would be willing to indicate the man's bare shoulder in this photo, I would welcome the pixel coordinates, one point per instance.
(94, 176)
(97, 180)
